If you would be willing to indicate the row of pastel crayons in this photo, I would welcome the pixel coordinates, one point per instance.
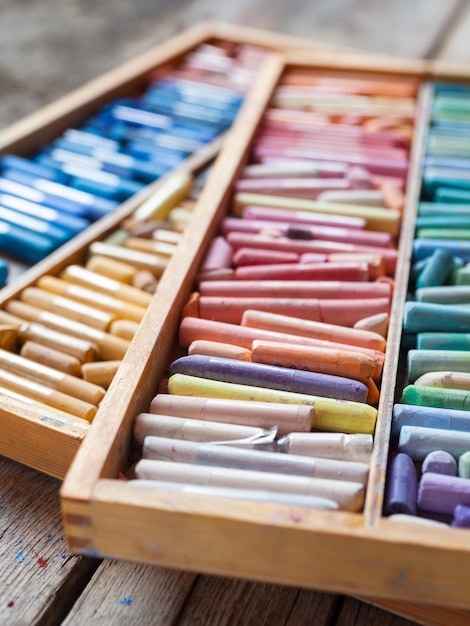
(430, 475)
(63, 338)
(48, 198)
(286, 333)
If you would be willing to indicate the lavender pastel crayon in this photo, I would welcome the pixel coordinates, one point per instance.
(439, 462)
(441, 494)
(461, 516)
(270, 376)
(418, 442)
(437, 396)
(429, 417)
(402, 486)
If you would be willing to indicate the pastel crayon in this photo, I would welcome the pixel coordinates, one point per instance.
(439, 462)
(461, 516)
(424, 361)
(167, 196)
(150, 246)
(55, 359)
(273, 214)
(423, 248)
(453, 234)
(460, 276)
(437, 397)
(284, 417)
(375, 262)
(293, 168)
(441, 494)
(429, 317)
(318, 330)
(445, 379)
(191, 429)
(256, 495)
(90, 297)
(403, 518)
(402, 486)
(81, 276)
(12, 161)
(100, 373)
(437, 270)
(270, 377)
(377, 324)
(428, 417)
(49, 377)
(218, 256)
(225, 273)
(419, 441)
(81, 349)
(446, 294)
(443, 341)
(348, 495)
(141, 260)
(290, 186)
(370, 197)
(215, 348)
(332, 361)
(145, 281)
(116, 270)
(443, 209)
(464, 465)
(438, 222)
(124, 328)
(386, 220)
(330, 414)
(250, 256)
(306, 271)
(296, 289)
(192, 328)
(197, 453)
(340, 446)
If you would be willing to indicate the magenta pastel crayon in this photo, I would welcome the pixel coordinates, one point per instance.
(271, 377)
(441, 494)
(219, 255)
(303, 217)
(402, 486)
(332, 290)
(305, 271)
(260, 242)
(461, 516)
(439, 462)
(250, 256)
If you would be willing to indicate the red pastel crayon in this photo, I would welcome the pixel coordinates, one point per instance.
(251, 256)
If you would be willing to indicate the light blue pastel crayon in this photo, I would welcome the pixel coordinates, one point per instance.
(437, 270)
(444, 294)
(149, 150)
(193, 90)
(90, 139)
(436, 178)
(139, 117)
(52, 232)
(25, 244)
(421, 362)
(429, 317)
(188, 111)
(443, 341)
(173, 140)
(458, 163)
(429, 417)
(443, 209)
(62, 155)
(11, 161)
(423, 248)
(418, 441)
(436, 222)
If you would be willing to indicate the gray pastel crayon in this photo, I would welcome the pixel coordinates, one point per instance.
(427, 317)
(418, 442)
(341, 446)
(441, 494)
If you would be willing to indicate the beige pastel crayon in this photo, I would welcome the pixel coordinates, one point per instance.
(116, 270)
(141, 260)
(56, 359)
(100, 373)
(341, 446)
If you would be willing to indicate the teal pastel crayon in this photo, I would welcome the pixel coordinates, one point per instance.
(438, 222)
(460, 276)
(457, 196)
(423, 361)
(428, 317)
(437, 269)
(443, 210)
(428, 417)
(418, 442)
(452, 294)
(438, 397)
(443, 341)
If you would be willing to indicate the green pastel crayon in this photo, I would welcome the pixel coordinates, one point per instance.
(423, 361)
(437, 397)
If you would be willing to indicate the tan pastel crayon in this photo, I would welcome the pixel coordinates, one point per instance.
(145, 281)
(318, 330)
(8, 336)
(286, 417)
(158, 248)
(37, 372)
(124, 328)
(214, 348)
(100, 373)
(90, 297)
(82, 276)
(348, 495)
(193, 328)
(47, 395)
(56, 359)
(110, 347)
(141, 260)
(71, 309)
(116, 270)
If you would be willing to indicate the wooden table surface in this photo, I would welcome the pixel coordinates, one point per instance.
(47, 49)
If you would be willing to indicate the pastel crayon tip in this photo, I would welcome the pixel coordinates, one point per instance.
(440, 462)
(402, 486)
(461, 516)
(464, 465)
(375, 323)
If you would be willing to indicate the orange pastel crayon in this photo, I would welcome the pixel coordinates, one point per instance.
(336, 362)
(373, 395)
(215, 348)
(318, 330)
(305, 271)
(194, 328)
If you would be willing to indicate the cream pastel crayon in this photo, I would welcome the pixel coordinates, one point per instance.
(330, 414)
(446, 379)
(348, 495)
(273, 214)
(151, 246)
(126, 329)
(340, 446)
(157, 206)
(377, 324)
(100, 373)
(285, 417)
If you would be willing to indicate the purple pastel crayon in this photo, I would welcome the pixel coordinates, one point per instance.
(461, 516)
(440, 462)
(402, 486)
(270, 376)
(441, 494)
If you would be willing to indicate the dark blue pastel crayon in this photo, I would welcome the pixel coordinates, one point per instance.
(421, 317)
(11, 161)
(443, 341)
(52, 232)
(429, 417)
(402, 486)
(437, 270)
(25, 244)
(423, 248)
(67, 221)
(4, 271)
(271, 377)
(461, 516)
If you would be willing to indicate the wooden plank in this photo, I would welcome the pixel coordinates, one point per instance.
(355, 613)
(39, 578)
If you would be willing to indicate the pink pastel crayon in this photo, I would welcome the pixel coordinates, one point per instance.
(322, 169)
(298, 187)
(224, 273)
(219, 255)
(251, 256)
(302, 217)
(311, 271)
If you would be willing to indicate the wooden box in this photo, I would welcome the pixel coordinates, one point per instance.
(362, 554)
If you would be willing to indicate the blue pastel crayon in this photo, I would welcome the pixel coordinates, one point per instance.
(271, 377)
(419, 441)
(61, 155)
(25, 244)
(52, 232)
(148, 150)
(11, 161)
(188, 111)
(458, 163)
(423, 248)
(139, 117)
(429, 317)
(90, 139)
(429, 417)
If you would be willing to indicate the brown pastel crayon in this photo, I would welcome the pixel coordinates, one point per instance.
(100, 373)
(8, 336)
(56, 359)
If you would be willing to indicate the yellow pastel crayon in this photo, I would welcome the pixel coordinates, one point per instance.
(330, 414)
